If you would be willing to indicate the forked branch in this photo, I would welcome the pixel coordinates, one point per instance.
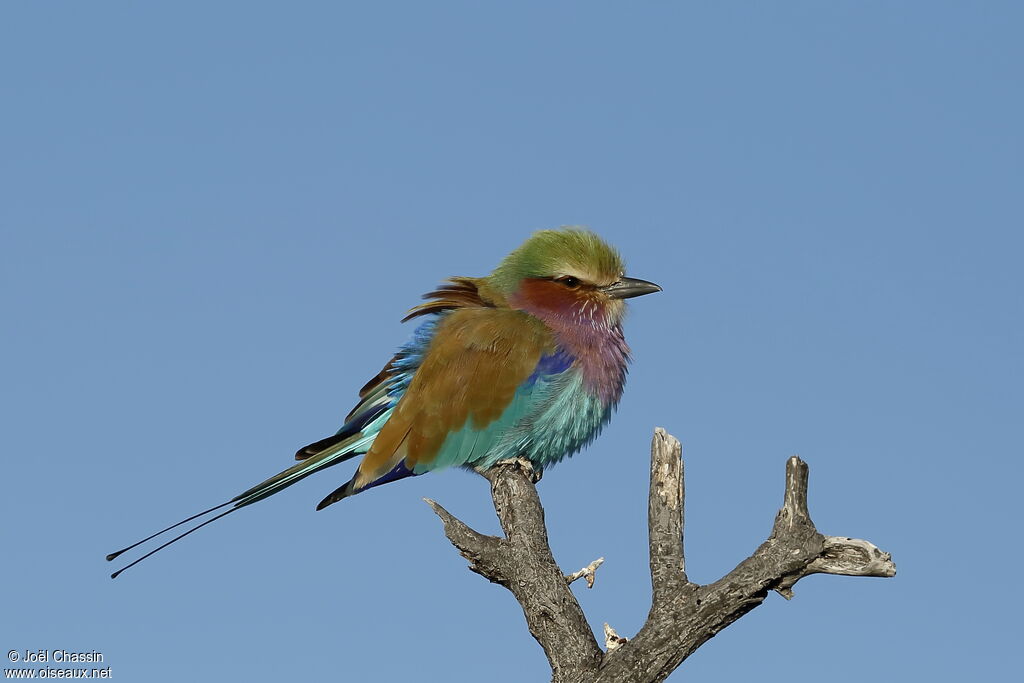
(683, 615)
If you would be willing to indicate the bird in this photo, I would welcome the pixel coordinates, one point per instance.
(526, 364)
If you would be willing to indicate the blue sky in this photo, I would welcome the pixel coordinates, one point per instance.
(215, 215)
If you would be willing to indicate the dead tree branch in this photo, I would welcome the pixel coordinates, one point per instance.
(683, 615)
(522, 562)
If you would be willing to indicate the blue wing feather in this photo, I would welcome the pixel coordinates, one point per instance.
(363, 424)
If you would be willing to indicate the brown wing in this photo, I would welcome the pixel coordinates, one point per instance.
(457, 292)
(470, 372)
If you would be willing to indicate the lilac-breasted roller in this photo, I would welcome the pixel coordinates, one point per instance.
(528, 362)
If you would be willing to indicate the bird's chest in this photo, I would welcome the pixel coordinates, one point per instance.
(571, 417)
(601, 356)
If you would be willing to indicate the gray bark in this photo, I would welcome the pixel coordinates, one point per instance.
(683, 615)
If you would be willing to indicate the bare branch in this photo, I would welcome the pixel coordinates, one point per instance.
(483, 552)
(683, 615)
(589, 573)
(794, 505)
(665, 520)
(522, 562)
(852, 557)
(687, 619)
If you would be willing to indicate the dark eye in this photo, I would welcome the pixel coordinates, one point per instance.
(570, 281)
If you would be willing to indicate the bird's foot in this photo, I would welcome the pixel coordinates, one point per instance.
(526, 466)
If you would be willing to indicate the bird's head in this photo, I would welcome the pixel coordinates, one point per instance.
(568, 274)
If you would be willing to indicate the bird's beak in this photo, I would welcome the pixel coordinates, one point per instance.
(628, 287)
